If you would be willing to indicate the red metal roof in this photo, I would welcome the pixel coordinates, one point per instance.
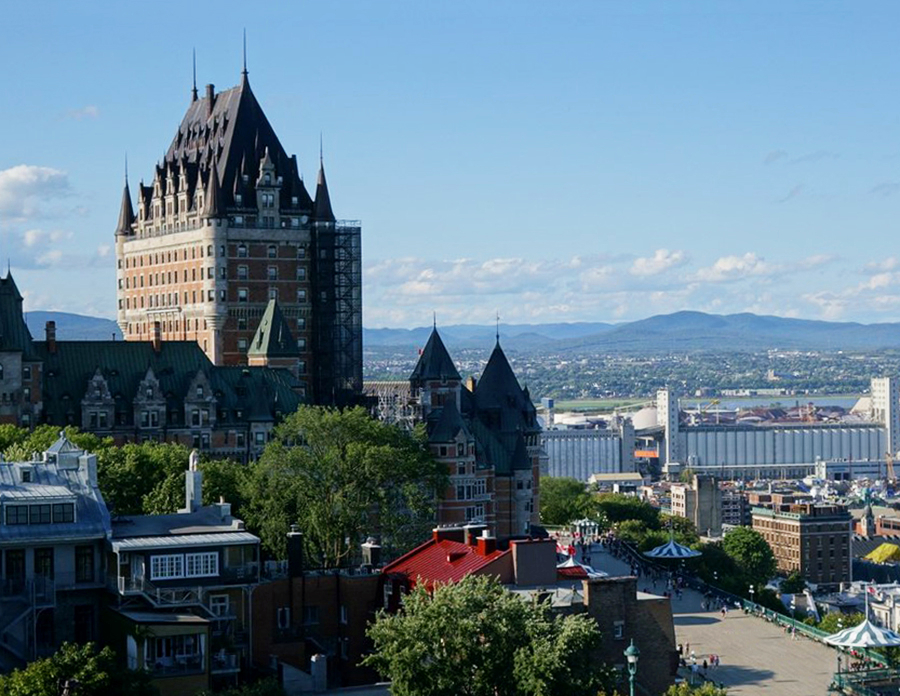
(441, 562)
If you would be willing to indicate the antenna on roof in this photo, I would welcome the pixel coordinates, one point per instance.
(244, 72)
(194, 90)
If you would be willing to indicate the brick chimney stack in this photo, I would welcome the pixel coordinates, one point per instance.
(487, 544)
(157, 336)
(50, 334)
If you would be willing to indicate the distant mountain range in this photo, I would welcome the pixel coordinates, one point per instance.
(681, 331)
(72, 327)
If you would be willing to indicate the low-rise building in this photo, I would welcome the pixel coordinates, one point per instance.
(181, 587)
(53, 528)
(812, 539)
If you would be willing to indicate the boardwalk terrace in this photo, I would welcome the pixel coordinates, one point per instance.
(811, 539)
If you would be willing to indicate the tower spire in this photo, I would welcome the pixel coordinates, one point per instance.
(194, 90)
(498, 328)
(244, 71)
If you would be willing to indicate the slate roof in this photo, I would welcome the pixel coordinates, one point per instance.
(257, 392)
(441, 562)
(52, 483)
(14, 334)
(126, 212)
(273, 337)
(322, 209)
(498, 390)
(434, 362)
(229, 131)
(448, 424)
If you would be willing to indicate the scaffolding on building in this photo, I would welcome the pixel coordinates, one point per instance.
(337, 315)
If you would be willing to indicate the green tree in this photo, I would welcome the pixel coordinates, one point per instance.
(835, 621)
(263, 687)
(97, 674)
(222, 478)
(793, 583)
(751, 553)
(129, 474)
(565, 500)
(342, 475)
(474, 638)
(618, 508)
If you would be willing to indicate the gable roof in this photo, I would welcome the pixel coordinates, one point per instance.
(442, 562)
(273, 336)
(434, 362)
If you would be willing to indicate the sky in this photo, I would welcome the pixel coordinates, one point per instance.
(570, 161)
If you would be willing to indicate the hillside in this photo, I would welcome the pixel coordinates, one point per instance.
(72, 327)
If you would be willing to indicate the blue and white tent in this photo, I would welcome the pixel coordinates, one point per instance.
(864, 635)
(672, 549)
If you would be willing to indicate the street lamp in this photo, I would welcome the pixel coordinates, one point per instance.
(751, 594)
(631, 655)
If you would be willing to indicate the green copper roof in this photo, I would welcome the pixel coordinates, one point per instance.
(434, 362)
(273, 338)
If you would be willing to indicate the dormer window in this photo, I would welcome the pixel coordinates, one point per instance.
(199, 392)
(294, 201)
(238, 199)
(267, 179)
(26, 475)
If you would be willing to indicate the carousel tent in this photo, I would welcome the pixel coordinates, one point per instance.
(672, 549)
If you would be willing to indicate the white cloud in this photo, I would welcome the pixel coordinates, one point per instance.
(24, 188)
(731, 268)
(662, 260)
(89, 111)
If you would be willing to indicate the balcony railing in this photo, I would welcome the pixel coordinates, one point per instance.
(39, 590)
(223, 662)
(159, 596)
(177, 666)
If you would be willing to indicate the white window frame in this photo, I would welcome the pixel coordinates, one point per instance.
(201, 565)
(167, 567)
(219, 604)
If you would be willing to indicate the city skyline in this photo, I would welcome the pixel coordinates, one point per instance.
(591, 163)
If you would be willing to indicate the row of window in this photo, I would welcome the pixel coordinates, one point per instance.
(184, 565)
(26, 372)
(44, 565)
(197, 252)
(40, 513)
(471, 489)
(171, 299)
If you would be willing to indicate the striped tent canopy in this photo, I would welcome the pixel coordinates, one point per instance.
(865, 635)
(570, 568)
(672, 549)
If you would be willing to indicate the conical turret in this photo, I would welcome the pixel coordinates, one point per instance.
(322, 210)
(126, 212)
(214, 205)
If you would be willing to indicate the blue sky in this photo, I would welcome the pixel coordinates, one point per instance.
(574, 161)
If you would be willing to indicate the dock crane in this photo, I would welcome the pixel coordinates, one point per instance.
(889, 461)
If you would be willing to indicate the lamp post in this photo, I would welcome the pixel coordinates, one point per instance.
(751, 594)
(631, 655)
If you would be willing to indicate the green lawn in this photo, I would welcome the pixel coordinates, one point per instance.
(595, 405)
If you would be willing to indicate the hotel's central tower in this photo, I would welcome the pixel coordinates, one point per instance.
(226, 226)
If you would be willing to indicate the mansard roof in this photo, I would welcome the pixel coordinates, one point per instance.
(435, 362)
(14, 334)
(273, 338)
(230, 130)
(257, 392)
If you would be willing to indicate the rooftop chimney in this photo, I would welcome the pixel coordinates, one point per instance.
(210, 97)
(487, 544)
(193, 485)
(156, 339)
(371, 553)
(295, 552)
(50, 333)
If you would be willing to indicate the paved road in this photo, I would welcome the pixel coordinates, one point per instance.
(757, 657)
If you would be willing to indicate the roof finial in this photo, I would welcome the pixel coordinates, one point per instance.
(244, 72)
(126, 169)
(321, 148)
(498, 327)
(434, 319)
(194, 90)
